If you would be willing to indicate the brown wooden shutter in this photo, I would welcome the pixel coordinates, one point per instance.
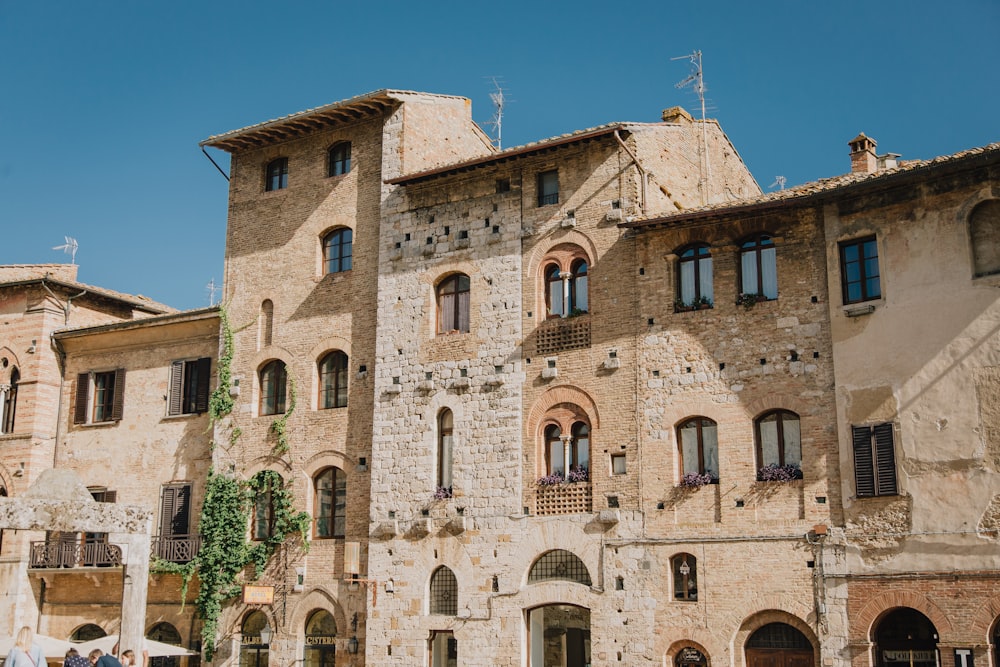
(82, 392)
(176, 393)
(175, 510)
(885, 460)
(864, 464)
(204, 369)
(109, 497)
(118, 408)
(168, 502)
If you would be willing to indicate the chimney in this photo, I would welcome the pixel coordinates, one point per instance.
(676, 115)
(863, 158)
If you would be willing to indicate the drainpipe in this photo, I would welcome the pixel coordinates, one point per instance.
(643, 174)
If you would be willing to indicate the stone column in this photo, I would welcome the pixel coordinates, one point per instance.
(134, 590)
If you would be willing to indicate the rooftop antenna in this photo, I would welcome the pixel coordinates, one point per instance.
(69, 248)
(779, 181)
(498, 99)
(697, 78)
(212, 290)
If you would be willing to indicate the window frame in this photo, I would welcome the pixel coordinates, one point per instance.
(175, 509)
(982, 223)
(189, 384)
(781, 415)
(859, 245)
(336, 522)
(272, 384)
(446, 449)
(442, 582)
(700, 439)
(276, 175)
(340, 387)
(699, 290)
(263, 504)
(454, 282)
(547, 196)
(874, 448)
(577, 277)
(344, 258)
(86, 408)
(339, 159)
(683, 591)
(756, 245)
(9, 407)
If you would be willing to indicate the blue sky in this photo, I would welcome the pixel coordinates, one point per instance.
(102, 104)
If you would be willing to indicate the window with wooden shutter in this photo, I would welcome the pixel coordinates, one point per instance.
(175, 510)
(189, 386)
(176, 388)
(82, 396)
(118, 408)
(874, 460)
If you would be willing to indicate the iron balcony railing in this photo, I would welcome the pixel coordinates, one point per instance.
(69, 554)
(175, 548)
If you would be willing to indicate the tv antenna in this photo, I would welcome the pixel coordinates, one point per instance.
(779, 182)
(696, 79)
(69, 248)
(212, 290)
(499, 101)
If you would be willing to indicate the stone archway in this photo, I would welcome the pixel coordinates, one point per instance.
(904, 637)
(779, 645)
(59, 501)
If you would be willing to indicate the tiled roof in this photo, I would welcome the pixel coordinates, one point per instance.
(820, 188)
(518, 151)
(176, 316)
(285, 127)
(135, 300)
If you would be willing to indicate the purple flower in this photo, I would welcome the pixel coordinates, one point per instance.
(772, 472)
(695, 479)
(442, 493)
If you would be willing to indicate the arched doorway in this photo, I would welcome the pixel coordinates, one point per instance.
(321, 639)
(905, 638)
(559, 636)
(166, 633)
(85, 633)
(255, 642)
(779, 645)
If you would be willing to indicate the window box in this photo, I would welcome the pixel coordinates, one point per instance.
(693, 480)
(778, 473)
(748, 301)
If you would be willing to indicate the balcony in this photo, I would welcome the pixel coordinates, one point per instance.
(562, 333)
(70, 554)
(175, 548)
(570, 498)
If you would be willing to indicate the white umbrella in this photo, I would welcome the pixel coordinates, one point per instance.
(155, 649)
(51, 647)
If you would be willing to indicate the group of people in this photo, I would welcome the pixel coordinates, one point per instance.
(27, 653)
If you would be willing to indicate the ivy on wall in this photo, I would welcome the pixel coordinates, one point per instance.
(225, 551)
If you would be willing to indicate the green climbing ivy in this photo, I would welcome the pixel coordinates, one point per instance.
(220, 403)
(279, 426)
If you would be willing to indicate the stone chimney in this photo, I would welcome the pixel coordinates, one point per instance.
(863, 158)
(676, 115)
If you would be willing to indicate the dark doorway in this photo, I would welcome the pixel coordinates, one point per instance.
(906, 638)
(779, 645)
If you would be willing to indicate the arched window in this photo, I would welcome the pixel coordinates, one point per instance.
(694, 276)
(340, 158)
(553, 291)
(578, 297)
(265, 323)
(273, 384)
(984, 223)
(446, 427)
(263, 507)
(330, 503)
(443, 592)
(565, 445)
(9, 397)
(167, 634)
(453, 304)
(699, 447)
(333, 381)
(86, 633)
(555, 463)
(579, 453)
(276, 177)
(321, 638)
(758, 267)
(685, 569)
(559, 565)
(253, 649)
(779, 442)
(337, 251)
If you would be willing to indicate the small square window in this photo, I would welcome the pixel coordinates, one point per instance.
(618, 464)
(503, 185)
(859, 272)
(276, 177)
(548, 188)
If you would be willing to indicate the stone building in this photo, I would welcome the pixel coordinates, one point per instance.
(97, 383)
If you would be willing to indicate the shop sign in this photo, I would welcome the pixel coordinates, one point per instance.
(691, 656)
(909, 656)
(318, 640)
(258, 595)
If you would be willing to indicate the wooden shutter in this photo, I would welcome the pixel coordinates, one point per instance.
(118, 407)
(885, 461)
(176, 393)
(82, 393)
(109, 497)
(175, 510)
(203, 367)
(864, 464)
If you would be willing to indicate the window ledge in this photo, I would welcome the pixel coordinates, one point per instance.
(859, 309)
(185, 415)
(98, 424)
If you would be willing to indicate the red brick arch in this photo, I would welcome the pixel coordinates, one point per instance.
(984, 620)
(558, 395)
(877, 607)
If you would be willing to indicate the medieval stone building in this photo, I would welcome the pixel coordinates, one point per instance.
(583, 401)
